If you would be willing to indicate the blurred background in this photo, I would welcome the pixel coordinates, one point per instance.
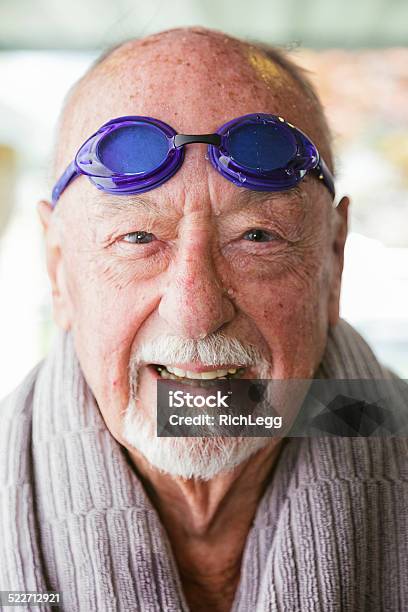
(357, 55)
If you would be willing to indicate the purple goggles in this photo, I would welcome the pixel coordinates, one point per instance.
(130, 155)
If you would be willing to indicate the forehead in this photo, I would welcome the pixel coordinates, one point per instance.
(193, 82)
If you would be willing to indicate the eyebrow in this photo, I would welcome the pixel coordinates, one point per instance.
(245, 198)
(258, 199)
(111, 204)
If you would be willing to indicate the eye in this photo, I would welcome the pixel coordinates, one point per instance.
(139, 237)
(259, 235)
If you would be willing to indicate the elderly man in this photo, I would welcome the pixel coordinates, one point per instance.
(172, 259)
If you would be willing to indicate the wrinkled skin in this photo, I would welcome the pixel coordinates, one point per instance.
(199, 275)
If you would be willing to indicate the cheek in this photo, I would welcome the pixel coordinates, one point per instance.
(291, 315)
(107, 317)
(107, 302)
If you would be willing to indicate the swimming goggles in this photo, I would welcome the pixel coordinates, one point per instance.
(130, 155)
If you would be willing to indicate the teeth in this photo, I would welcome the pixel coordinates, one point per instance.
(213, 374)
(174, 373)
(193, 375)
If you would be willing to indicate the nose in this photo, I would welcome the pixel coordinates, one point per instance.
(194, 303)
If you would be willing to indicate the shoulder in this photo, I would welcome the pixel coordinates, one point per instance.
(347, 487)
(16, 403)
(21, 562)
(354, 460)
(15, 430)
(337, 464)
(348, 355)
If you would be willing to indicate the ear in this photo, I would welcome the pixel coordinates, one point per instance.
(55, 265)
(338, 243)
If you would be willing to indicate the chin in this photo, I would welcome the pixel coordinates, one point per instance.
(201, 458)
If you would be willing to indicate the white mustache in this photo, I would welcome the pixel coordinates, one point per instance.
(215, 350)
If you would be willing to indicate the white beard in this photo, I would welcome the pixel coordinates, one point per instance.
(196, 457)
(189, 457)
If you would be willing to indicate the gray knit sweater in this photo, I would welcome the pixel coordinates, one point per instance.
(330, 533)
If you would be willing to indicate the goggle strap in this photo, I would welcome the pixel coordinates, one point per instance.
(69, 174)
(324, 174)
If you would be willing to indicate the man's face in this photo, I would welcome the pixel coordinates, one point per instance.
(198, 255)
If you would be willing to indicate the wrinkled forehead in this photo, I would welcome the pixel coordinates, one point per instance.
(194, 82)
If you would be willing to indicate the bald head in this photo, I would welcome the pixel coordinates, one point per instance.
(194, 79)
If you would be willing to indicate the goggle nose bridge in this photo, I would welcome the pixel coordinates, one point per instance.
(182, 139)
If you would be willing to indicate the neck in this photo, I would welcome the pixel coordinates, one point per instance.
(201, 507)
(208, 523)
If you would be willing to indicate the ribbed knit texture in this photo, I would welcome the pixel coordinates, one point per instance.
(330, 533)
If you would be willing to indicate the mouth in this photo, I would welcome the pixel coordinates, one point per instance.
(197, 377)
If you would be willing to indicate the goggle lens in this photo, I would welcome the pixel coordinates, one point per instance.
(261, 148)
(134, 149)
